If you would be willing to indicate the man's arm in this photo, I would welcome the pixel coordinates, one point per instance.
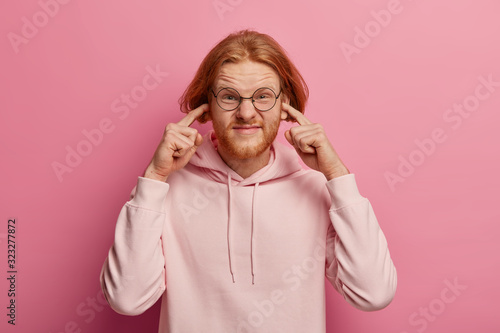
(133, 275)
(358, 262)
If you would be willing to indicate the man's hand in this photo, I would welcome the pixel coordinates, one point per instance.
(177, 146)
(312, 145)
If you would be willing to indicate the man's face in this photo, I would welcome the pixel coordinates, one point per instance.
(245, 132)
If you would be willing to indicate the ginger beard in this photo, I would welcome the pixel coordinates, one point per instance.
(241, 148)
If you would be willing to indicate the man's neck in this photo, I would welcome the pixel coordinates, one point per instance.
(246, 167)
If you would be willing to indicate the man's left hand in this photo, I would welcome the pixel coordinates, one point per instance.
(312, 145)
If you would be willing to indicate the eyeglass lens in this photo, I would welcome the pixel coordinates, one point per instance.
(263, 99)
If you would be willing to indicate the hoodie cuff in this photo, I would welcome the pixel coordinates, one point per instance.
(343, 191)
(150, 194)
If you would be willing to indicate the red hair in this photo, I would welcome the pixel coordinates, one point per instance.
(237, 47)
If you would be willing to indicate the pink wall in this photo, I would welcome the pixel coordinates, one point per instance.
(400, 86)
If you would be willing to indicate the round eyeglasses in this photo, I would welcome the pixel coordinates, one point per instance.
(263, 99)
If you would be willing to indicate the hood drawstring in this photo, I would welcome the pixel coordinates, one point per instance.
(251, 230)
(228, 222)
(251, 233)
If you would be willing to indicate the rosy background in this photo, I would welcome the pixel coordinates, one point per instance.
(441, 222)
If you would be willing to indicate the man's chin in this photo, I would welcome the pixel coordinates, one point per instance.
(247, 150)
(243, 146)
(252, 139)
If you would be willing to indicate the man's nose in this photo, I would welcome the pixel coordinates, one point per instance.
(246, 110)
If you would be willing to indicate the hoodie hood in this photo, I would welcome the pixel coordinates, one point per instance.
(283, 162)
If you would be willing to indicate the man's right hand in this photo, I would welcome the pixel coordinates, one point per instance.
(177, 146)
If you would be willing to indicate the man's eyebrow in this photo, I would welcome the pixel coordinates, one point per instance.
(268, 85)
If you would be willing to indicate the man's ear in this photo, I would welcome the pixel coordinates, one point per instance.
(206, 116)
(286, 99)
(284, 115)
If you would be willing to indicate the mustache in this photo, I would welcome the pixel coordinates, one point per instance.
(245, 123)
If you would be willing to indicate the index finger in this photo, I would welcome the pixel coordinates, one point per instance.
(192, 115)
(295, 114)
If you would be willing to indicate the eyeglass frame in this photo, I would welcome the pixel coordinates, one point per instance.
(242, 98)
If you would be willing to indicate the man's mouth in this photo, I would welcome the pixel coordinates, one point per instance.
(246, 129)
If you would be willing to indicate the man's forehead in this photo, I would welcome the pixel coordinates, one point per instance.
(246, 74)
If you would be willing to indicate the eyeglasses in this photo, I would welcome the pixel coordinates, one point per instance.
(263, 99)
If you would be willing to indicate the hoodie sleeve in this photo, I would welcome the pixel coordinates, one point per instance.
(358, 263)
(133, 275)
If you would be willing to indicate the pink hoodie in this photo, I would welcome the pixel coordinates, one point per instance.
(246, 255)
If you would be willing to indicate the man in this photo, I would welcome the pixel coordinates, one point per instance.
(229, 228)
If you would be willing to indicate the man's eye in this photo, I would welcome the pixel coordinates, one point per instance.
(229, 98)
(263, 97)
